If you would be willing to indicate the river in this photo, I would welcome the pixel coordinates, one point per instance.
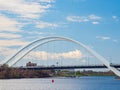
(81, 83)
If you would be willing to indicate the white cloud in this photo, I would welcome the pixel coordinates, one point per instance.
(42, 55)
(29, 10)
(34, 33)
(115, 18)
(107, 38)
(93, 18)
(7, 24)
(6, 51)
(13, 42)
(46, 25)
(72, 54)
(47, 1)
(25, 8)
(95, 22)
(77, 19)
(73, 18)
(83, 61)
(114, 40)
(103, 37)
(8, 35)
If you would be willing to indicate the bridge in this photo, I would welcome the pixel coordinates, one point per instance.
(66, 67)
(15, 58)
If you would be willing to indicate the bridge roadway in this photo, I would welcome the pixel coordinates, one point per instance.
(66, 67)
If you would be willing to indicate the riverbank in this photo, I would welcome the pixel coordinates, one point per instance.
(84, 73)
(9, 73)
(12, 73)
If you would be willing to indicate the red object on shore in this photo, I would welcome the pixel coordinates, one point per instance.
(52, 81)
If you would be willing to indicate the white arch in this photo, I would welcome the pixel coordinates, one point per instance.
(25, 53)
(23, 48)
(50, 39)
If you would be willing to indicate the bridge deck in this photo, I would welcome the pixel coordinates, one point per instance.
(67, 67)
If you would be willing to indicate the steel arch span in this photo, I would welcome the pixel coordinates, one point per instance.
(22, 52)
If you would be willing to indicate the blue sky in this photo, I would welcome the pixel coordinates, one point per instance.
(96, 23)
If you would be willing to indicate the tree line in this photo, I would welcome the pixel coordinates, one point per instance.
(9, 73)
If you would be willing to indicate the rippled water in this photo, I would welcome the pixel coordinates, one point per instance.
(82, 83)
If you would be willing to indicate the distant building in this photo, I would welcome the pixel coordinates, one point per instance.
(31, 64)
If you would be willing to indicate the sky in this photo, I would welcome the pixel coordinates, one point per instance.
(96, 23)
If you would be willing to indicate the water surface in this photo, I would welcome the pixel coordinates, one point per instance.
(81, 83)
